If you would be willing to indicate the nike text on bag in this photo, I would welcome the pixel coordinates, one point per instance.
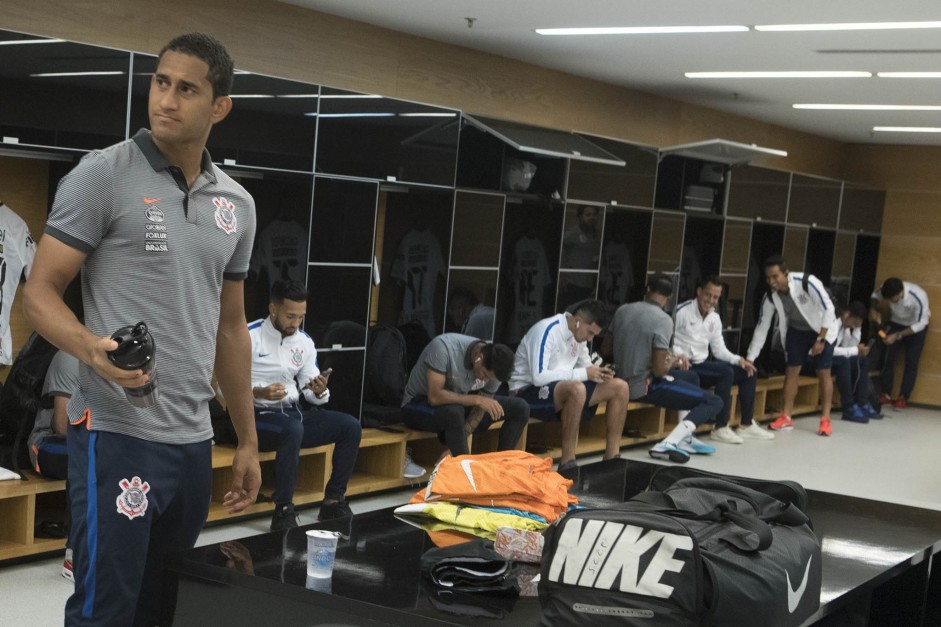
(704, 551)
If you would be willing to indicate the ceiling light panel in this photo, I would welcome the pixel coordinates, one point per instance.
(643, 30)
(846, 26)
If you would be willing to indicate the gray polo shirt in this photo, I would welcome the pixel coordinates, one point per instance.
(447, 354)
(157, 252)
(638, 329)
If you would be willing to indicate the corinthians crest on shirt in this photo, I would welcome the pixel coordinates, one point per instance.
(225, 214)
(132, 501)
(297, 357)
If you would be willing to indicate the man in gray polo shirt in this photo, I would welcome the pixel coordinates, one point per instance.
(162, 235)
(451, 391)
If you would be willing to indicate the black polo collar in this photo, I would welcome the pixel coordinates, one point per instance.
(145, 141)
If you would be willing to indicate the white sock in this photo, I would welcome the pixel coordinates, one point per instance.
(680, 432)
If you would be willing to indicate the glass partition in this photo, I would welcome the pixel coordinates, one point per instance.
(529, 266)
(478, 225)
(795, 247)
(370, 136)
(631, 184)
(623, 273)
(282, 205)
(61, 94)
(814, 201)
(666, 242)
(861, 209)
(758, 193)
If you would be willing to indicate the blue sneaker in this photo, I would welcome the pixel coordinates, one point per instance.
(870, 412)
(854, 413)
(696, 447)
(671, 452)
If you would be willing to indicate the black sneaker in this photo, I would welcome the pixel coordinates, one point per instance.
(340, 509)
(284, 518)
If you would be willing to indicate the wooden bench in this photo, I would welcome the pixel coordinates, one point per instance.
(379, 464)
(23, 505)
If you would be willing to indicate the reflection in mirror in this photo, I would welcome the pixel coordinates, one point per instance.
(382, 138)
(61, 94)
(623, 273)
(861, 208)
(581, 242)
(343, 219)
(528, 266)
(472, 295)
(346, 381)
(575, 287)
(478, 221)
(272, 123)
(702, 248)
(814, 201)
(666, 242)
(632, 184)
(282, 206)
(338, 294)
(413, 249)
(735, 246)
(795, 247)
(758, 193)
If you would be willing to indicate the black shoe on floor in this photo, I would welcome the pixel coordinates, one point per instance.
(340, 509)
(284, 518)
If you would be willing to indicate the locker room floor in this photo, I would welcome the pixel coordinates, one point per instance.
(894, 460)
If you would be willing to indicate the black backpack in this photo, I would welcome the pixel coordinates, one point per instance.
(21, 398)
(386, 374)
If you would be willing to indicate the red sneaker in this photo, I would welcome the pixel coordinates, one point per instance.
(782, 423)
(885, 399)
(825, 426)
(900, 403)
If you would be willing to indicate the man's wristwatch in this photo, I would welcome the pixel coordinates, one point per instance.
(821, 339)
(322, 394)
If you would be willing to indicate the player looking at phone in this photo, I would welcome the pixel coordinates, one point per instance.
(284, 367)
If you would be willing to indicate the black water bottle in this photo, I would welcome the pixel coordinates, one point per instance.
(137, 351)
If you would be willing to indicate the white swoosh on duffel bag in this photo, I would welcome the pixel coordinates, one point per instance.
(794, 595)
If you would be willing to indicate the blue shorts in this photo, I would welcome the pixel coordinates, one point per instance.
(542, 405)
(798, 348)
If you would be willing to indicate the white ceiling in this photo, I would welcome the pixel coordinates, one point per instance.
(656, 63)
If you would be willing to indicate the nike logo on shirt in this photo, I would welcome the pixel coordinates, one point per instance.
(466, 466)
(794, 595)
(263, 355)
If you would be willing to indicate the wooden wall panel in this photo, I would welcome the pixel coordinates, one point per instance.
(910, 247)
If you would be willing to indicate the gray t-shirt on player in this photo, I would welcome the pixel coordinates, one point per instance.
(638, 329)
(447, 354)
(795, 319)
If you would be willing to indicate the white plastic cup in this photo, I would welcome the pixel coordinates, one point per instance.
(320, 584)
(321, 553)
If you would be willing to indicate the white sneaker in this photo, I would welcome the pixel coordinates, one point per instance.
(725, 434)
(695, 446)
(756, 432)
(67, 566)
(410, 469)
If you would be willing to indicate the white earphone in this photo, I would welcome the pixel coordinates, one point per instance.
(578, 323)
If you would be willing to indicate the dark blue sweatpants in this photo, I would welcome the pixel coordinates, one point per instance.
(723, 376)
(133, 502)
(288, 429)
(672, 393)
